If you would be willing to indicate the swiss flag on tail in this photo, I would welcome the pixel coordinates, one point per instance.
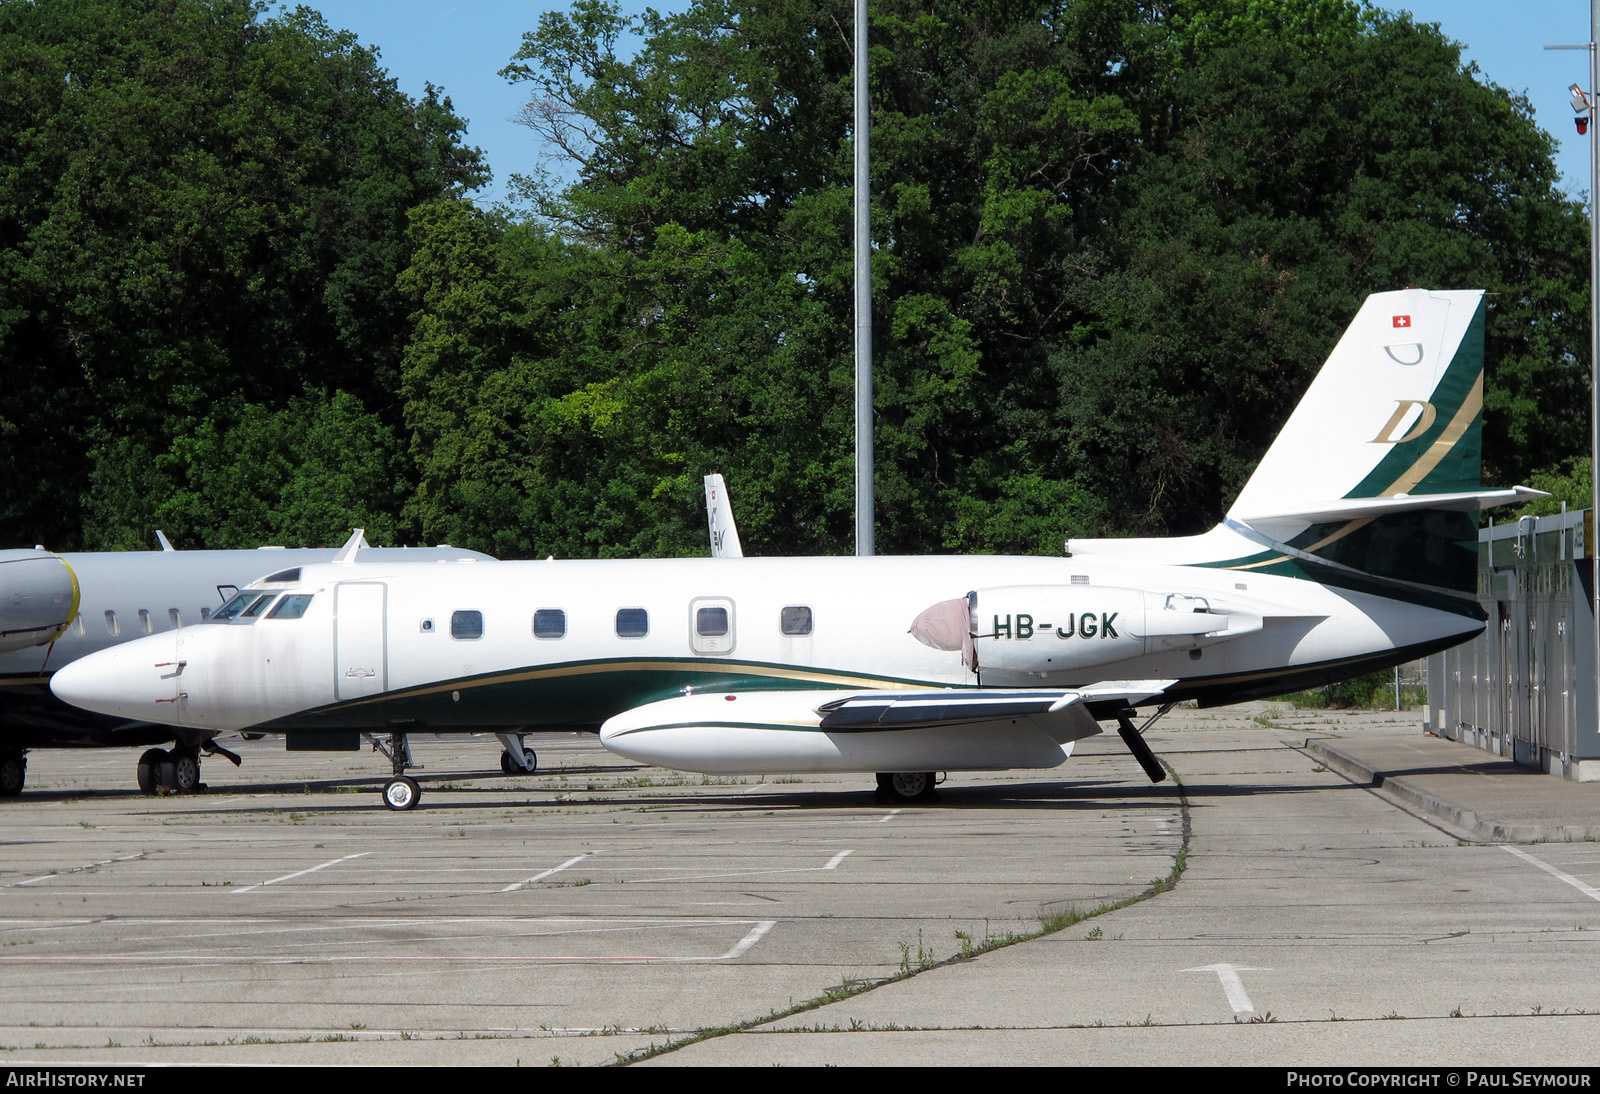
(1402, 320)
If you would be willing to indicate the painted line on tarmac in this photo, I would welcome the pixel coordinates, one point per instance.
(78, 869)
(321, 956)
(831, 864)
(302, 873)
(1232, 984)
(546, 873)
(1587, 890)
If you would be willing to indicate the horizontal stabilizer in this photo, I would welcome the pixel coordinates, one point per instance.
(1356, 508)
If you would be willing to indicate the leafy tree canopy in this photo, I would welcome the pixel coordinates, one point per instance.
(200, 208)
(1113, 241)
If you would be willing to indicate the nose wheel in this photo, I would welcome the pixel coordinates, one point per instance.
(402, 793)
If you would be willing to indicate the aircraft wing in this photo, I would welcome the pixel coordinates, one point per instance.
(904, 709)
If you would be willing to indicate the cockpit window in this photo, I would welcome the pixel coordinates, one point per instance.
(247, 605)
(259, 605)
(292, 606)
(236, 604)
(283, 575)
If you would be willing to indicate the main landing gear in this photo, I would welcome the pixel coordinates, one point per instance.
(400, 792)
(177, 771)
(907, 786)
(174, 772)
(510, 763)
(13, 773)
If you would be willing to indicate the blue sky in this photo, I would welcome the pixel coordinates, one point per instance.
(463, 45)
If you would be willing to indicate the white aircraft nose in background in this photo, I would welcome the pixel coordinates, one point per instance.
(136, 680)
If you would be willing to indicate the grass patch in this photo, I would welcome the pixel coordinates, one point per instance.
(1374, 691)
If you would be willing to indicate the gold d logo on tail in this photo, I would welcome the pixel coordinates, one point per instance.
(1386, 435)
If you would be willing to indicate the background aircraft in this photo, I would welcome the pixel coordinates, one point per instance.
(1352, 548)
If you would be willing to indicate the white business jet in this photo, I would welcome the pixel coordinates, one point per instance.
(1352, 548)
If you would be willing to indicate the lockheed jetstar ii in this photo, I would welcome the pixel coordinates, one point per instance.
(1352, 548)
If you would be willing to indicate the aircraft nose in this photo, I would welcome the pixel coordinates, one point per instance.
(142, 680)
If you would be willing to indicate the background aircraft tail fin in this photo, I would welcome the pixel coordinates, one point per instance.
(719, 516)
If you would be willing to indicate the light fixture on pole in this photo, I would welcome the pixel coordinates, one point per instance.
(1583, 104)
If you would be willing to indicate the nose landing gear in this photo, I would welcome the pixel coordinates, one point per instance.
(401, 792)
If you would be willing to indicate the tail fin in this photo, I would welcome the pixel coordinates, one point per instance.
(1373, 481)
(1393, 422)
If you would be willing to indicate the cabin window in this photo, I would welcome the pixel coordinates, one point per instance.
(549, 623)
(632, 622)
(113, 628)
(426, 626)
(711, 622)
(77, 625)
(466, 625)
(795, 621)
(144, 621)
(292, 606)
(174, 618)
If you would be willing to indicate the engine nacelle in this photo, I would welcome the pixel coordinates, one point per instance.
(1043, 630)
(779, 732)
(38, 598)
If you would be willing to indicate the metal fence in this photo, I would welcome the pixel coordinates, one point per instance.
(1525, 687)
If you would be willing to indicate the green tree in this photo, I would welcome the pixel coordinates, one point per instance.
(1113, 241)
(300, 475)
(200, 208)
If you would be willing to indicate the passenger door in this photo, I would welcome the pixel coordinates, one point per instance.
(359, 626)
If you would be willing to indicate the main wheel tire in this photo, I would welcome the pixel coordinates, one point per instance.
(510, 767)
(402, 793)
(149, 770)
(185, 773)
(13, 773)
(907, 786)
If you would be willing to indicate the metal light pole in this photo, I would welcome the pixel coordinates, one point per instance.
(1593, 528)
(865, 539)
